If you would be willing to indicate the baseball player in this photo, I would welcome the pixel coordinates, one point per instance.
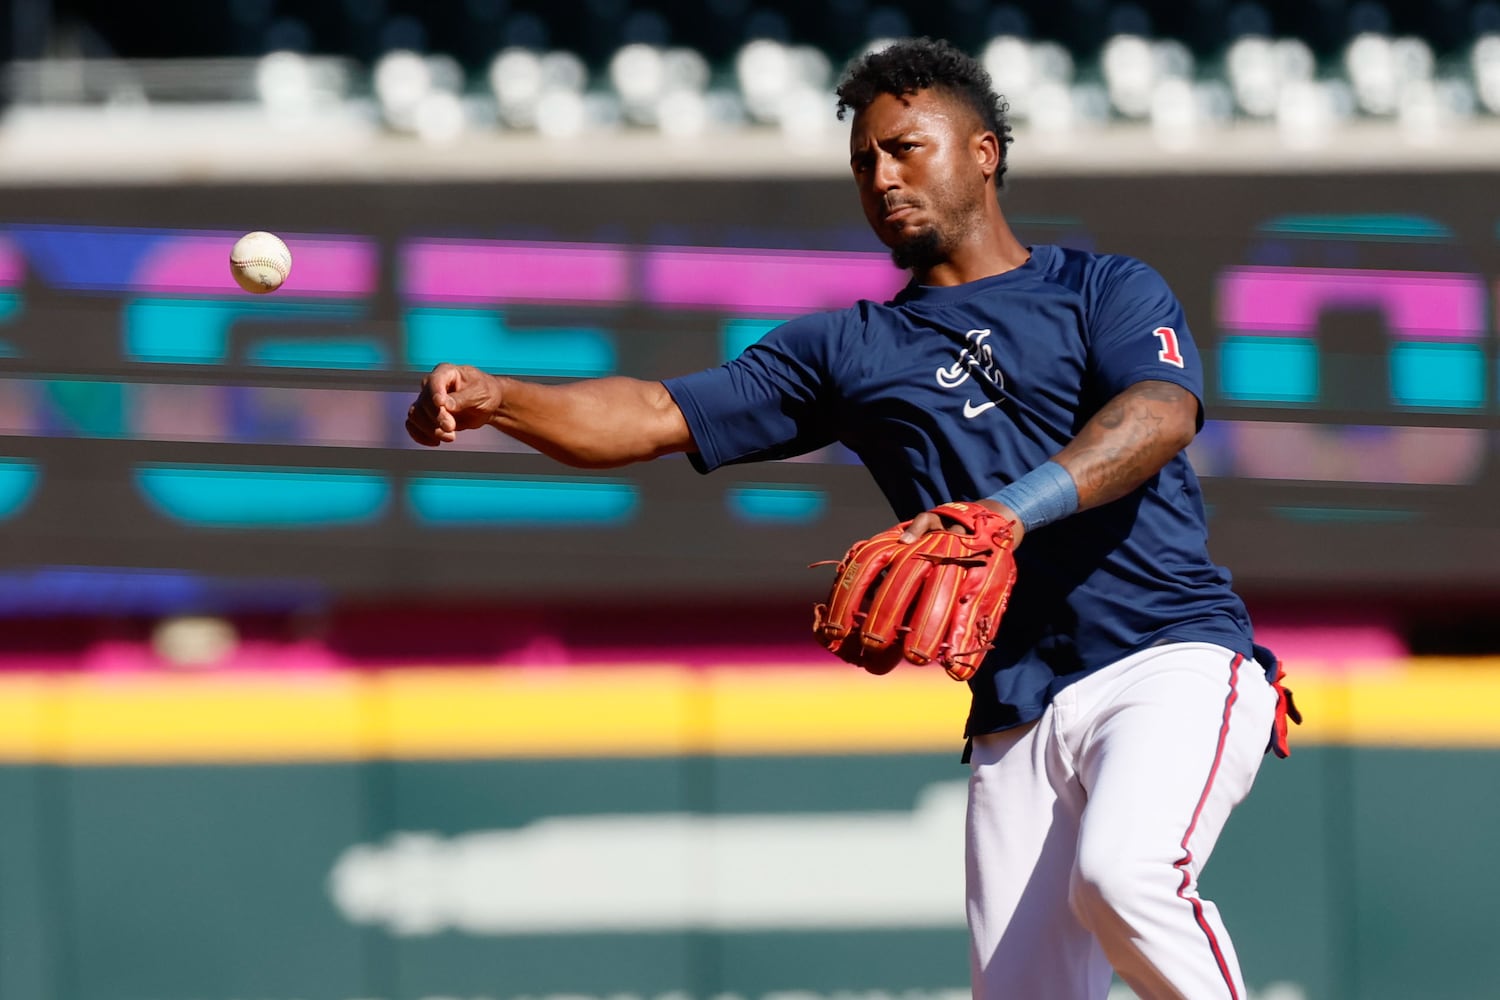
(1125, 710)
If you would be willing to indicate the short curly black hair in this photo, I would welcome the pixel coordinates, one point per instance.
(908, 66)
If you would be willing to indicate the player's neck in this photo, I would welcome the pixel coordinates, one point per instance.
(990, 250)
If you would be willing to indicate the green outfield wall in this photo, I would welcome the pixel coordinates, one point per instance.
(726, 849)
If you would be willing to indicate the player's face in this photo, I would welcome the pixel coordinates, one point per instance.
(919, 180)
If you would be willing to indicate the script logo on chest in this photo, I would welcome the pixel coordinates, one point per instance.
(977, 362)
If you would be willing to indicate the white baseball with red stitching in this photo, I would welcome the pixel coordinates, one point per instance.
(260, 262)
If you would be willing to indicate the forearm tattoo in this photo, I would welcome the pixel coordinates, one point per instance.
(1129, 440)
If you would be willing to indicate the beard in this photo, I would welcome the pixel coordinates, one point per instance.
(921, 251)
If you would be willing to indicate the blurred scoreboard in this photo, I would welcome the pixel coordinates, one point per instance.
(169, 442)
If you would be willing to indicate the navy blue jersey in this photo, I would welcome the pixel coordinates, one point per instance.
(950, 393)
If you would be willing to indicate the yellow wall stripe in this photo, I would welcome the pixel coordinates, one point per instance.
(241, 717)
(1428, 703)
(612, 711)
(468, 713)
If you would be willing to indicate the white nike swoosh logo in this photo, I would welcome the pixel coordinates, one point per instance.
(971, 411)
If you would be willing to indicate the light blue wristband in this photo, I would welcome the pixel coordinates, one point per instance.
(1045, 494)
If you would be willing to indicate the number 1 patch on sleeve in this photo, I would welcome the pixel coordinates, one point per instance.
(1170, 353)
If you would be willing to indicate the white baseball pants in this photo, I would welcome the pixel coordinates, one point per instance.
(1087, 830)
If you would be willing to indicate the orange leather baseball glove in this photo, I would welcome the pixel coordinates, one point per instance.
(939, 598)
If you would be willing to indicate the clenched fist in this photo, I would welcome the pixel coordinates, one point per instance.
(453, 398)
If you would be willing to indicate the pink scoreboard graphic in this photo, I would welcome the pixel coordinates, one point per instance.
(145, 403)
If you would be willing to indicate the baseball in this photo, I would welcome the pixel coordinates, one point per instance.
(260, 262)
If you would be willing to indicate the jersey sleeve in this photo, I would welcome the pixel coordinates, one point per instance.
(1138, 332)
(773, 401)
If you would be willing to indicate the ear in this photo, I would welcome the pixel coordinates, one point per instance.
(987, 153)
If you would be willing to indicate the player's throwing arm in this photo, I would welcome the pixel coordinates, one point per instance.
(592, 424)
